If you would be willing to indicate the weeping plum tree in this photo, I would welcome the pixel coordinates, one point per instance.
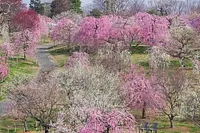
(75, 17)
(139, 92)
(153, 31)
(64, 31)
(93, 31)
(124, 30)
(106, 121)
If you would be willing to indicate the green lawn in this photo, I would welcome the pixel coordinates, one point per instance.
(46, 40)
(139, 56)
(60, 54)
(180, 126)
(20, 71)
(8, 125)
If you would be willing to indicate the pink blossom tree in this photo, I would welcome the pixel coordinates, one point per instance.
(152, 28)
(125, 30)
(138, 91)
(9, 49)
(153, 32)
(94, 31)
(64, 31)
(25, 42)
(46, 24)
(28, 35)
(109, 121)
(26, 20)
(108, 29)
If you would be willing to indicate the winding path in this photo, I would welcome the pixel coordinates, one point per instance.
(44, 59)
(45, 62)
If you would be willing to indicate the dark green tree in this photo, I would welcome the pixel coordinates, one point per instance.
(37, 6)
(75, 6)
(96, 13)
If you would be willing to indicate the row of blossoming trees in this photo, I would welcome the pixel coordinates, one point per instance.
(99, 86)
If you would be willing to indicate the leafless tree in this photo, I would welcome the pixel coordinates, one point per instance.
(137, 6)
(99, 4)
(192, 6)
(166, 7)
(172, 85)
(112, 58)
(75, 17)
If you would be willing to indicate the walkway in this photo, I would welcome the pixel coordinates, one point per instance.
(44, 59)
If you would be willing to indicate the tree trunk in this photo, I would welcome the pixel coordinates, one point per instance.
(171, 122)
(182, 63)
(25, 126)
(107, 129)
(46, 129)
(144, 111)
(24, 56)
(24, 52)
(5, 31)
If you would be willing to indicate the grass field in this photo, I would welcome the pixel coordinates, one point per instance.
(180, 126)
(139, 56)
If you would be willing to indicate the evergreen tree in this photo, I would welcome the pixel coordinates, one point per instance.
(96, 13)
(37, 6)
(76, 5)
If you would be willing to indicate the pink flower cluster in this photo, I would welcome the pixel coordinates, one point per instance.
(142, 27)
(153, 29)
(64, 31)
(111, 121)
(94, 31)
(139, 91)
(26, 42)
